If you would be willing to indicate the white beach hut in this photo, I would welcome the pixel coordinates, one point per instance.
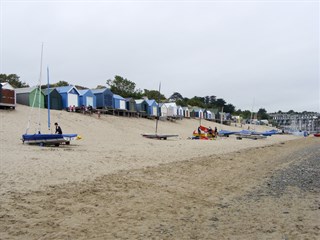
(186, 112)
(179, 111)
(163, 110)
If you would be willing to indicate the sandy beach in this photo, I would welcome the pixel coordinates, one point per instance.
(115, 184)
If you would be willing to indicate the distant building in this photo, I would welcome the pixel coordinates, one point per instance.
(7, 95)
(297, 121)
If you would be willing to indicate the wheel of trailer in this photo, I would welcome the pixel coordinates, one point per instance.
(68, 143)
(56, 144)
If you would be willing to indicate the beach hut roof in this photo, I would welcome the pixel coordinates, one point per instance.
(118, 97)
(67, 89)
(25, 90)
(83, 91)
(151, 101)
(6, 85)
(162, 104)
(47, 91)
(171, 104)
(101, 90)
(214, 110)
(138, 101)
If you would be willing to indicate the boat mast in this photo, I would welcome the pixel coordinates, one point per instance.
(158, 115)
(48, 93)
(39, 89)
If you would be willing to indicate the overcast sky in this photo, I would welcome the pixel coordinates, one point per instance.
(253, 54)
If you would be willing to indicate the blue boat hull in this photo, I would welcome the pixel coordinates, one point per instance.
(47, 138)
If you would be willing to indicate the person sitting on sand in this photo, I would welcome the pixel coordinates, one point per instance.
(210, 131)
(199, 130)
(58, 129)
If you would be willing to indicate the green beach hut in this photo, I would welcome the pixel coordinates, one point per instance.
(30, 97)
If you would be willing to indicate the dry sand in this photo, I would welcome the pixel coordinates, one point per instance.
(114, 184)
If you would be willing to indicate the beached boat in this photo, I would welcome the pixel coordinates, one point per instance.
(316, 134)
(46, 139)
(159, 136)
(204, 134)
(156, 135)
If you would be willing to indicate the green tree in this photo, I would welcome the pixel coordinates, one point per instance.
(153, 94)
(123, 87)
(291, 112)
(220, 102)
(61, 84)
(229, 108)
(246, 114)
(13, 80)
(176, 97)
(100, 87)
(197, 102)
(262, 114)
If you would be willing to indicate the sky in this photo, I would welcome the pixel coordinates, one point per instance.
(253, 54)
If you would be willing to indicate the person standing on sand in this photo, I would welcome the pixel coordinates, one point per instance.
(58, 129)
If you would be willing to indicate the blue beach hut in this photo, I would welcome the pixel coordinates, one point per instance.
(152, 107)
(131, 105)
(87, 98)
(70, 96)
(141, 105)
(119, 102)
(55, 98)
(104, 97)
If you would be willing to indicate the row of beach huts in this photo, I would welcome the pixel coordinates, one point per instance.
(69, 97)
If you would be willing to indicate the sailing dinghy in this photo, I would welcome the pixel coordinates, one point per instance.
(46, 139)
(156, 135)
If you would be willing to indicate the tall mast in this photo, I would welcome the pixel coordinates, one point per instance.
(39, 89)
(158, 115)
(48, 93)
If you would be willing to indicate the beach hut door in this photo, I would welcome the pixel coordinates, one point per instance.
(155, 112)
(122, 105)
(89, 101)
(72, 99)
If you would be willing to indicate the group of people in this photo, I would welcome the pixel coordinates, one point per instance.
(213, 133)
